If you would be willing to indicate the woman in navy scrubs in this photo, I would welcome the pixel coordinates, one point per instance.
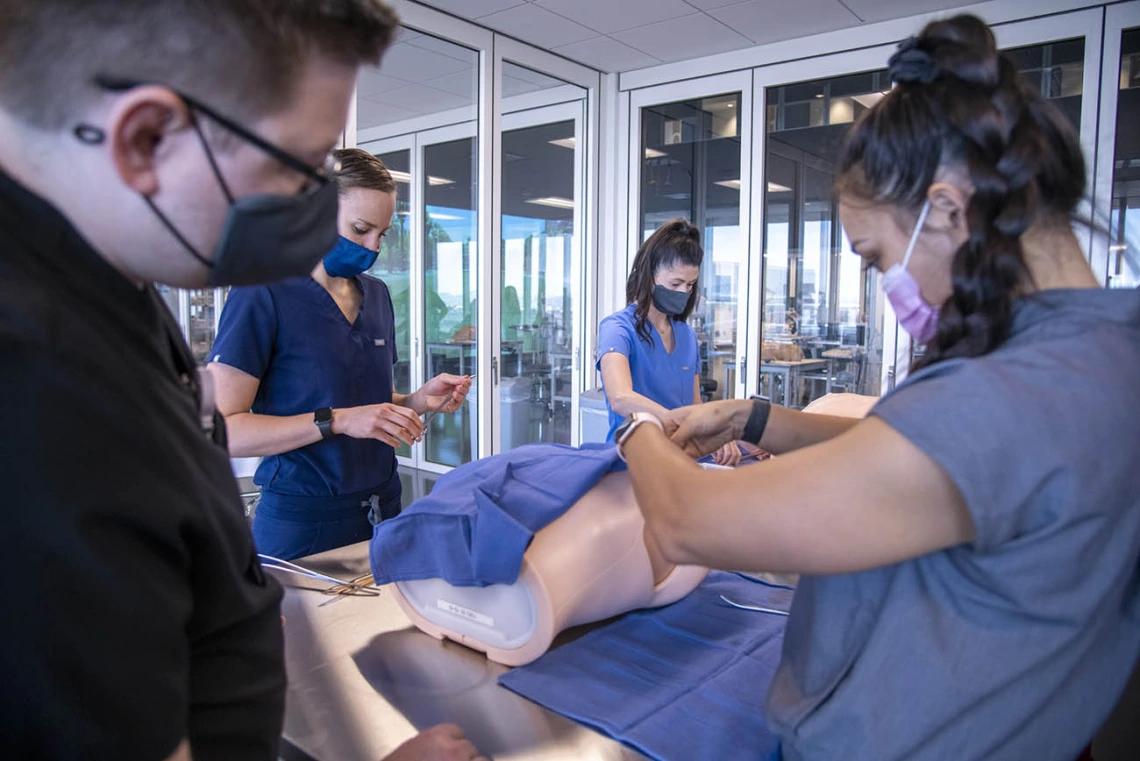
(647, 353)
(304, 377)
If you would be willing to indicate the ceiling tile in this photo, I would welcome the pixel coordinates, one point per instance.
(407, 61)
(682, 38)
(473, 8)
(884, 10)
(465, 83)
(514, 86)
(537, 26)
(369, 113)
(424, 100)
(607, 16)
(607, 54)
(764, 21)
(449, 49)
(705, 5)
(372, 82)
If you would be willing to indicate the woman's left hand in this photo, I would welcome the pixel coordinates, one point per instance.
(443, 387)
(728, 455)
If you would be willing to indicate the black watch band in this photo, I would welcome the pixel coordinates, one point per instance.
(757, 421)
(323, 420)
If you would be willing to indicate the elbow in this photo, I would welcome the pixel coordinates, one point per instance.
(670, 529)
(622, 403)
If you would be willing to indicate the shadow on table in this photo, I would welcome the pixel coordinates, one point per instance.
(433, 682)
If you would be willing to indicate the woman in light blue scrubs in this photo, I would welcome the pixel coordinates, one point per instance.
(303, 370)
(648, 355)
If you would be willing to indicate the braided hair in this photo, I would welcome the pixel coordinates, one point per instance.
(675, 242)
(960, 103)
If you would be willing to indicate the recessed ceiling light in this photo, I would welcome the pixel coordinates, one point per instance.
(652, 153)
(404, 177)
(564, 142)
(734, 184)
(775, 187)
(553, 201)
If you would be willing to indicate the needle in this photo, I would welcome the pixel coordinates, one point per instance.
(439, 409)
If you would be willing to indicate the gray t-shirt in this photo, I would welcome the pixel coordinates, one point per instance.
(1014, 647)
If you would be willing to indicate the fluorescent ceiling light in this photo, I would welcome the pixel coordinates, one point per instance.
(775, 187)
(444, 217)
(553, 201)
(564, 142)
(651, 153)
(406, 178)
(734, 184)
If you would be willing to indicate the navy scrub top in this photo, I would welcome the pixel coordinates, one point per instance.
(293, 337)
(663, 377)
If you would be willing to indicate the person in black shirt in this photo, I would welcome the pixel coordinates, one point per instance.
(148, 141)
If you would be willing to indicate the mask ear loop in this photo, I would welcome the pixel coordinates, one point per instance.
(917, 230)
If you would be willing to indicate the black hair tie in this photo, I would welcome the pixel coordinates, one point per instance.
(910, 64)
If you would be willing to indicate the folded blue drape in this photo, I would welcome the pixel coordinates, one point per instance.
(681, 683)
(474, 527)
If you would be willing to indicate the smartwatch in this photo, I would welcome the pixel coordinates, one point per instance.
(323, 420)
(630, 424)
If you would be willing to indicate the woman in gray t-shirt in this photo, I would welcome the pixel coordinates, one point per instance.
(971, 586)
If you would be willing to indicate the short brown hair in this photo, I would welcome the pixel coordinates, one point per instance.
(239, 56)
(360, 169)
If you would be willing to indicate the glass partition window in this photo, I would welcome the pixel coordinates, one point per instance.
(1123, 262)
(540, 254)
(393, 266)
(450, 307)
(823, 316)
(690, 167)
(419, 114)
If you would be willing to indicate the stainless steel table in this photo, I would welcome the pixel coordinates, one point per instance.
(362, 680)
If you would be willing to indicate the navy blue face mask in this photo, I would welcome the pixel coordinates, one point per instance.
(349, 259)
(670, 302)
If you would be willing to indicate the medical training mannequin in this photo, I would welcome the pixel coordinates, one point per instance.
(590, 564)
(969, 551)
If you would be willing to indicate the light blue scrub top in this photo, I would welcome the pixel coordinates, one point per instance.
(663, 377)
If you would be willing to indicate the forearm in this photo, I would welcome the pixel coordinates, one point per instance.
(628, 402)
(253, 435)
(789, 430)
(407, 400)
(664, 480)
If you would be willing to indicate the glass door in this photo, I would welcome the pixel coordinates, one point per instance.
(691, 158)
(822, 314)
(450, 308)
(1118, 171)
(541, 260)
(419, 114)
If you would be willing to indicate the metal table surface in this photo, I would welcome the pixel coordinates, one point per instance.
(362, 680)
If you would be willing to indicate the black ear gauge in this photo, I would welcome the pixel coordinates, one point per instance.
(89, 134)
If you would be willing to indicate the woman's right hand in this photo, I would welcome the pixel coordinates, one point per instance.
(702, 429)
(443, 743)
(389, 423)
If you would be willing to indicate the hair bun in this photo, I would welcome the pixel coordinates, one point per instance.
(962, 47)
(682, 226)
(910, 64)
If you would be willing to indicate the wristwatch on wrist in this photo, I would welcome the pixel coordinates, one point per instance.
(323, 420)
(630, 424)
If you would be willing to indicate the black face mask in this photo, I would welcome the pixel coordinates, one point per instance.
(670, 302)
(265, 237)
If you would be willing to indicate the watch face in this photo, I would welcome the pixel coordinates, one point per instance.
(323, 415)
(622, 428)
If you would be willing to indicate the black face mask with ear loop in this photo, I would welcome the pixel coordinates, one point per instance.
(265, 237)
(670, 302)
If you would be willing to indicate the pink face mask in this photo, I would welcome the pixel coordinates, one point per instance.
(917, 317)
